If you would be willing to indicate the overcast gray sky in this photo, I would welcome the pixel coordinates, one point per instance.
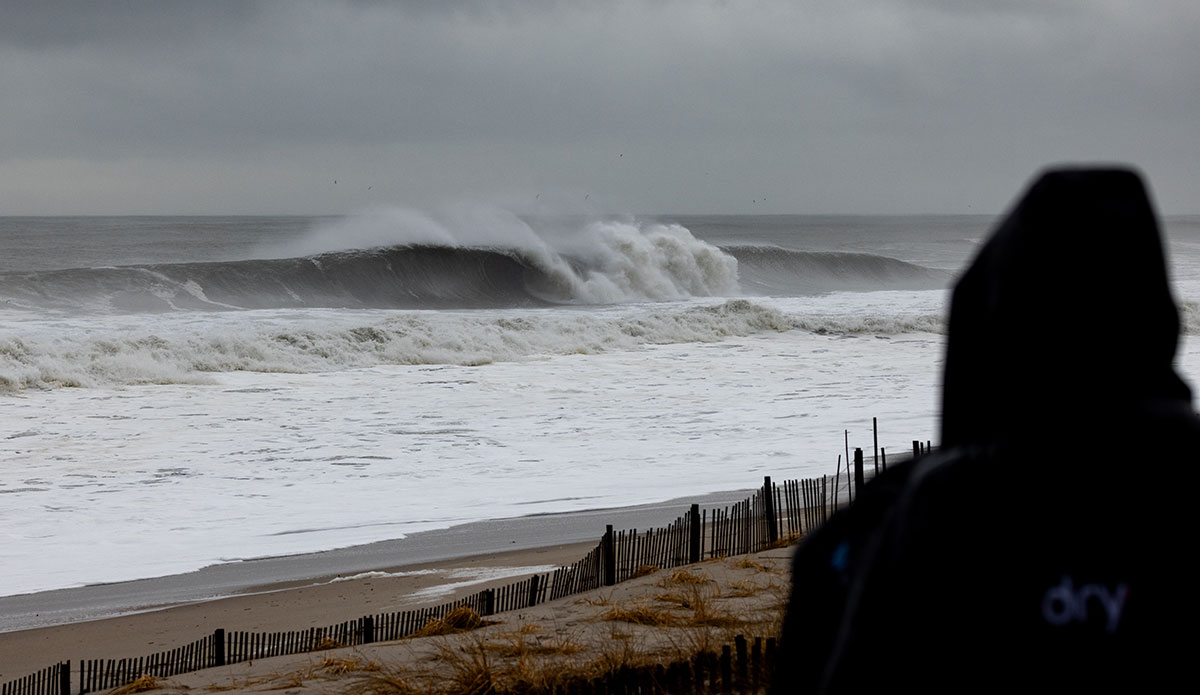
(812, 106)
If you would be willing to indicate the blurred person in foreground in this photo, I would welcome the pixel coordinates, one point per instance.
(1046, 546)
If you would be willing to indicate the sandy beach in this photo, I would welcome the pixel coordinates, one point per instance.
(280, 594)
(701, 605)
(291, 606)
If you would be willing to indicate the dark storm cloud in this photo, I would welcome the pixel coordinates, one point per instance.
(817, 106)
(366, 71)
(65, 23)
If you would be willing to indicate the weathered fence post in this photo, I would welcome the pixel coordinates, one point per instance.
(824, 499)
(849, 485)
(726, 669)
(694, 529)
(608, 546)
(916, 448)
(741, 677)
(837, 482)
(64, 678)
(368, 630)
(533, 591)
(858, 469)
(219, 647)
(883, 459)
(875, 433)
(769, 509)
(488, 602)
(756, 665)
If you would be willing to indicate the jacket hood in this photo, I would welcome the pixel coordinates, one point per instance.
(1065, 313)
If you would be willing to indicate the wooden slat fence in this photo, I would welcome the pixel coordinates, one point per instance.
(672, 546)
(48, 681)
(806, 505)
(103, 674)
(773, 514)
(742, 668)
(584, 575)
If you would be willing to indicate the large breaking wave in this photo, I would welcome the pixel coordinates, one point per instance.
(398, 277)
(415, 263)
(611, 263)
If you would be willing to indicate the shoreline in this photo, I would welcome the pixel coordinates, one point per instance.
(278, 608)
(585, 634)
(529, 541)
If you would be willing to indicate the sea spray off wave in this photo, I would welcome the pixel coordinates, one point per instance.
(607, 263)
(611, 263)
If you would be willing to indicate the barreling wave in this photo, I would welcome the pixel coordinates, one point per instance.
(185, 351)
(620, 263)
(398, 277)
(771, 270)
(623, 263)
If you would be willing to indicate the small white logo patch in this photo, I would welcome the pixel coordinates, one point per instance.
(1064, 604)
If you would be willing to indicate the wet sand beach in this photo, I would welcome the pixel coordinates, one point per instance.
(134, 619)
(701, 606)
(284, 607)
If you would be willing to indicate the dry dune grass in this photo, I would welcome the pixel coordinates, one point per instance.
(683, 576)
(505, 662)
(662, 617)
(336, 666)
(672, 617)
(528, 642)
(139, 685)
(697, 604)
(642, 614)
(326, 644)
(330, 668)
(644, 571)
(460, 619)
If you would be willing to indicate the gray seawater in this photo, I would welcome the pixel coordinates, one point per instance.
(31, 244)
(219, 423)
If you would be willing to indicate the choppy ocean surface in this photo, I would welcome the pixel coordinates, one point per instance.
(179, 392)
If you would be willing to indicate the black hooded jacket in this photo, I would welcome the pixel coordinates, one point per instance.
(1047, 546)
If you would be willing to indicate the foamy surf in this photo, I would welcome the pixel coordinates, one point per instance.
(182, 349)
(195, 348)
